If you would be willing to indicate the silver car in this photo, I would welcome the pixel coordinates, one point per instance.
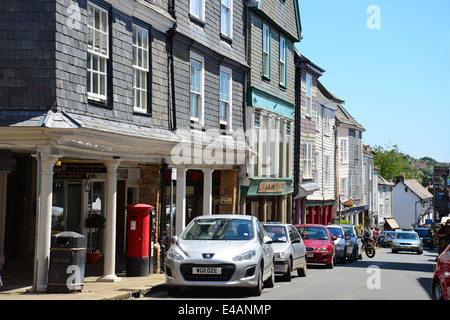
(343, 244)
(221, 250)
(289, 248)
(356, 238)
(407, 241)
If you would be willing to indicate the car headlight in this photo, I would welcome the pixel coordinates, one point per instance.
(175, 256)
(279, 255)
(324, 249)
(248, 255)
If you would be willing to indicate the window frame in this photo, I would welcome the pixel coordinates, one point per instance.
(229, 32)
(200, 111)
(229, 110)
(266, 54)
(92, 53)
(283, 64)
(200, 6)
(308, 100)
(136, 68)
(307, 160)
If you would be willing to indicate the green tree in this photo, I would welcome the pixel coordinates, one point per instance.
(391, 162)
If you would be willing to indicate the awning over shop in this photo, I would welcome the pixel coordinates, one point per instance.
(306, 189)
(357, 209)
(390, 223)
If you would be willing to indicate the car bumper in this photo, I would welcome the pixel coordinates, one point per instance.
(406, 248)
(237, 274)
(319, 257)
(281, 266)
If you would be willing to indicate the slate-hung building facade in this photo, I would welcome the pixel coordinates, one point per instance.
(84, 114)
(272, 29)
(208, 79)
(349, 167)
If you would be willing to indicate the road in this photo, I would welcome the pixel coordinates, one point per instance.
(388, 276)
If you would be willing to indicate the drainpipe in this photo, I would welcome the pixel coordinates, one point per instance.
(171, 34)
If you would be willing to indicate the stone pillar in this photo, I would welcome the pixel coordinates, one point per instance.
(207, 191)
(243, 205)
(289, 208)
(330, 213)
(44, 221)
(180, 213)
(109, 266)
(311, 214)
(262, 208)
(318, 214)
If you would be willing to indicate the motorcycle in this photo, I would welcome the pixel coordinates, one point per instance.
(368, 247)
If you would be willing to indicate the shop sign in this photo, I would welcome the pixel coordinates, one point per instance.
(271, 187)
(83, 167)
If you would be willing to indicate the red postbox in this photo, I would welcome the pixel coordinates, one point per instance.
(138, 240)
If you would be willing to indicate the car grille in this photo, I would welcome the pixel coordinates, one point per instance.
(405, 244)
(309, 248)
(227, 272)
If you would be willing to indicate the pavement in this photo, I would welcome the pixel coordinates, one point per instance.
(18, 283)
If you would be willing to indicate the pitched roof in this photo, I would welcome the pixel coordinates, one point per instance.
(345, 119)
(284, 14)
(418, 189)
(328, 94)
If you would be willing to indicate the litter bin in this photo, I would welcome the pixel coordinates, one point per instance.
(67, 261)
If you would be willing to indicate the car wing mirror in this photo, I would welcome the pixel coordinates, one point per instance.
(267, 240)
(297, 240)
(174, 239)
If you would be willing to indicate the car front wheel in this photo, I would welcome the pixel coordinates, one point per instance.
(437, 291)
(270, 282)
(257, 290)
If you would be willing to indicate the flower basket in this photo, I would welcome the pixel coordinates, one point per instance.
(92, 257)
(348, 204)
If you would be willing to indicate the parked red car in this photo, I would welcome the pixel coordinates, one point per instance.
(441, 278)
(319, 244)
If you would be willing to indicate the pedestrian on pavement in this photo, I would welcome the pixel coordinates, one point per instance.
(444, 236)
(377, 236)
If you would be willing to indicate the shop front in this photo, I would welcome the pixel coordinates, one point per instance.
(268, 199)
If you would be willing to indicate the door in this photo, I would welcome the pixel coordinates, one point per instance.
(297, 246)
(74, 206)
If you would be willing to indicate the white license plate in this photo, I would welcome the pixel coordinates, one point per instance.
(206, 270)
(310, 255)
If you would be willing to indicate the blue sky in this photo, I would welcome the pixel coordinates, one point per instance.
(395, 79)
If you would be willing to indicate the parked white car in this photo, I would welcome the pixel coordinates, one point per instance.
(221, 250)
(289, 249)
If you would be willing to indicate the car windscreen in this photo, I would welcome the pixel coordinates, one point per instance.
(349, 230)
(406, 236)
(277, 233)
(423, 233)
(337, 232)
(219, 229)
(313, 233)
